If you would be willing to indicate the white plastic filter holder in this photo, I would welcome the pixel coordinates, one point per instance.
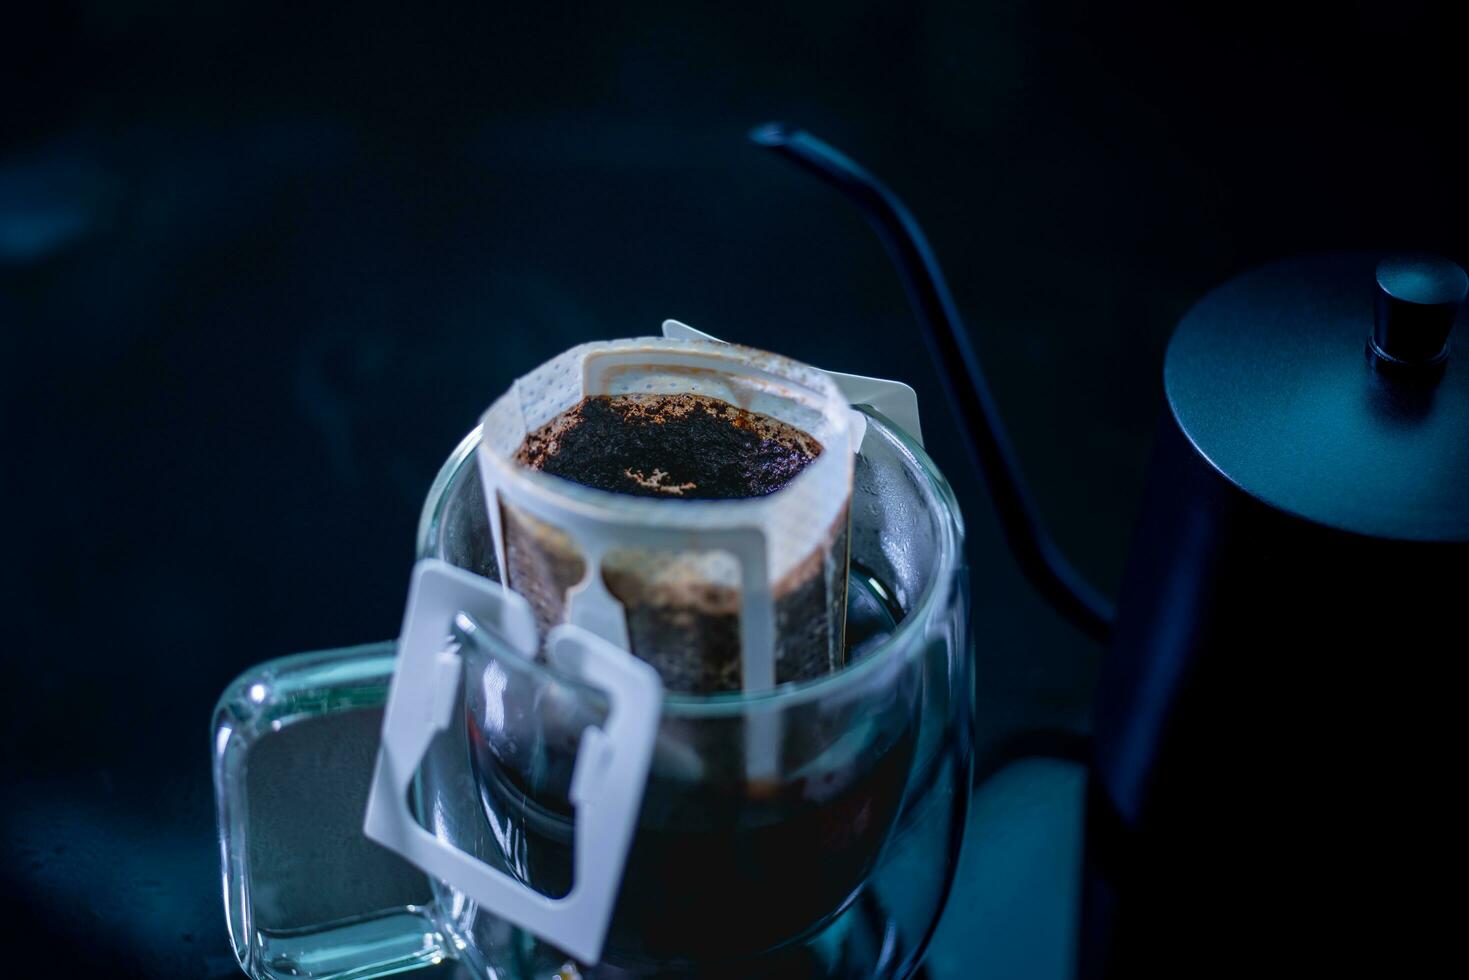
(608, 777)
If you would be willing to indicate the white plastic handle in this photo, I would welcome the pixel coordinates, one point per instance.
(610, 772)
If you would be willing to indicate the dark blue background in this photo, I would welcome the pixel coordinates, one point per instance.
(261, 266)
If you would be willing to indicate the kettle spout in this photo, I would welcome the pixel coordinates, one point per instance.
(958, 366)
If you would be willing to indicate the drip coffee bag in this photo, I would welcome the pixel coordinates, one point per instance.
(686, 499)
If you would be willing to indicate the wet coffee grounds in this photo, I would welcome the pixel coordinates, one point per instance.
(684, 446)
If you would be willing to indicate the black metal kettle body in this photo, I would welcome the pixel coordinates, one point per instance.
(1271, 775)
(1273, 726)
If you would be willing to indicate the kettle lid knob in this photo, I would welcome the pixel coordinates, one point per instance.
(1417, 298)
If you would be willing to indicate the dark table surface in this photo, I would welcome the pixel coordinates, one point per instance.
(262, 265)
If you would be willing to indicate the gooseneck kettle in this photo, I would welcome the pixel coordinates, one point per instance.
(1271, 783)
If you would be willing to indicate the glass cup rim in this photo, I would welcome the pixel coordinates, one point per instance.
(792, 693)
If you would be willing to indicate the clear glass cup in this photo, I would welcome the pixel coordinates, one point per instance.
(839, 866)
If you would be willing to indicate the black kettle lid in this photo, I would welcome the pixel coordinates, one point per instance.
(1328, 387)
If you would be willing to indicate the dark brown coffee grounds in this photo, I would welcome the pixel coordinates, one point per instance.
(685, 446)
